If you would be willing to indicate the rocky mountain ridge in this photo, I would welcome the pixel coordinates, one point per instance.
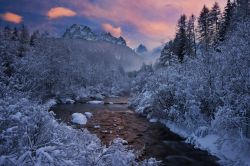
(84, 32)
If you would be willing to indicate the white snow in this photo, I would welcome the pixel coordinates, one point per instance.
(208, 142)
(120, 140)
(202, 131)
(99, 97)
(52, 113)
(11, 129)
(211, 143)
(51, 102)
(114, 96)
(97, 126)
(88, 114)
(95, 102)
(79, 118)
(17, 116)
(153, 120)
(69, 101)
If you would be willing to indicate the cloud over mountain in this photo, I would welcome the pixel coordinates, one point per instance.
(60, 12)
(115, 31)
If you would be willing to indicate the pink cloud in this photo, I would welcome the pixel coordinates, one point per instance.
(11, 17)
(115, 31)
(60, 12)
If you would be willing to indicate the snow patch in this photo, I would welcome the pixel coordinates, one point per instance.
(17, 116)
(95, 102)
(99, 97)
(69, 101)
(79, 118)
(210, 142)
(11, 129)
(153, 120)
(51, 103)
(88, 114)
(52, 113)
(97, 126)
(202, 131)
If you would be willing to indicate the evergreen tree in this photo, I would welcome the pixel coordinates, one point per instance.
(215, 16)
(167, 53)
(243, 7)
(15, 34)
(7, 64)
(34, 37)
(23, 40)
(45, 34)
(24, 35)
(191, 36)
(7, 32)
(5, 53)
(180, 42)
(204, 28)
(227, 16)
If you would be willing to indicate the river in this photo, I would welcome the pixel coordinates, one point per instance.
(113, 119)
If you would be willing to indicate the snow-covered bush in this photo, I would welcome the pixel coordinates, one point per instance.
(229, 121)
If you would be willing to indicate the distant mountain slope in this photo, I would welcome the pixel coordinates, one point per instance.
(96, 52)
(85, 33)
(141, 49)
(148, 56)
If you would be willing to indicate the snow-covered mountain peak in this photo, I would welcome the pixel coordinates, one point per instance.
(141, 49)
(84, 32)
(79, 32)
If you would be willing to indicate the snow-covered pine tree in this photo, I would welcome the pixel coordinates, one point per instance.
(167, 54)
(191, 36)
(24, 41)
(243, 7)
(24, 35)
(7, 33)
(180, 42)
(215, 18)
(6, 58)
(226, 20)
(204, 28)
(15, 34)
(34, 37)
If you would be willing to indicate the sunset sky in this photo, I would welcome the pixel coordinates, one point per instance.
(151, 22)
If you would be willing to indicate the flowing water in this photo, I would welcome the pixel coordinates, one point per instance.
(114, 120)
